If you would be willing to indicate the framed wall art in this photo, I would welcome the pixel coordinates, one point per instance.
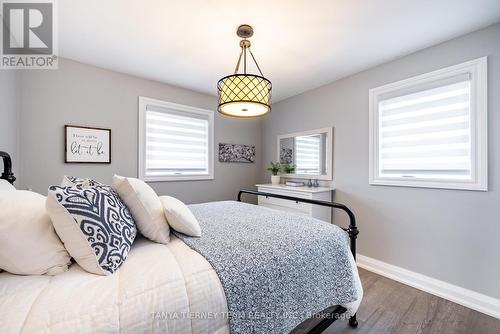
(85, 144)
(236, 153)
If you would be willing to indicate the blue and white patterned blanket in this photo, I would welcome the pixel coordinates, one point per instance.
(276, 268)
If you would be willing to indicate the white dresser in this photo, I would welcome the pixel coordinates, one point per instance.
(306, 209)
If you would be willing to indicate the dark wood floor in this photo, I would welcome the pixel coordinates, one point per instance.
(392, 307)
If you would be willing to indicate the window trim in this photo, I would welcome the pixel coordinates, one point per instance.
(479, 127)
(143, 103)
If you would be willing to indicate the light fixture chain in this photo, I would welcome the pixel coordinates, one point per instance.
(245, 61)
(238, 64)
(255, 61)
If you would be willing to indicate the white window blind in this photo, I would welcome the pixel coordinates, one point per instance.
(307, 154)
(176, 143)
(427, 134)
(431, 130)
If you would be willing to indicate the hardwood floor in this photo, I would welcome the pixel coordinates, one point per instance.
(392, 307)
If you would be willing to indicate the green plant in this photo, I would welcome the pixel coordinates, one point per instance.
(275, 168)
(288, 168)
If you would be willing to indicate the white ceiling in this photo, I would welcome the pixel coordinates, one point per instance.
(299, 44)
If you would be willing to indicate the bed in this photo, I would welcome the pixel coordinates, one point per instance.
(190, 286)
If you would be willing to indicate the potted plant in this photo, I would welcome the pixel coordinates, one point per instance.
(275, 169)
(288, 168)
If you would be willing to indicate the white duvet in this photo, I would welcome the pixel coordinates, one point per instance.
(159, 289)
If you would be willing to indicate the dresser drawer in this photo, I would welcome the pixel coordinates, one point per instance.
(279, 203)
(286, 209)
(296, 206)
(300, 208)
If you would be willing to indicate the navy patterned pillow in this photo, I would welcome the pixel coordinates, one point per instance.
(96, 227)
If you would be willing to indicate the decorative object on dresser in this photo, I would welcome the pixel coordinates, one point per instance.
(275, 168)
(287, 168)
(294, 184)
(304, 209)
(87, 145)
(236, 153)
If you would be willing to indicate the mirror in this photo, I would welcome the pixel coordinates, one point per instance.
(310, 152)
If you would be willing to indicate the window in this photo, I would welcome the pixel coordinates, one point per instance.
(308, 154)
(175, 141)
(431, 130)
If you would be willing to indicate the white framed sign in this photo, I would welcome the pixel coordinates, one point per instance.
(87, 145)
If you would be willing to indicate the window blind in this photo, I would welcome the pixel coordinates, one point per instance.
(176, 143)
(307, 154)
(427, 134)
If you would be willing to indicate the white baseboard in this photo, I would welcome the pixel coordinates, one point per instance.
(456, 294)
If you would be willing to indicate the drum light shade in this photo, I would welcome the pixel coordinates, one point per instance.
(244, 95)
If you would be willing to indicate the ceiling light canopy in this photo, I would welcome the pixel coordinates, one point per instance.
(244, 95)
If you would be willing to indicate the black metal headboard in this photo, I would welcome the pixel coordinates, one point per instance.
(7, 168)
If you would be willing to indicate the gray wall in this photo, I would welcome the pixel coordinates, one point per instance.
(8, 115)
(80, 94)
(446, 234)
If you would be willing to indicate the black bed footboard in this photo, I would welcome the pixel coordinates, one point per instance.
(7, 168)
(327, 318)
(352, 230)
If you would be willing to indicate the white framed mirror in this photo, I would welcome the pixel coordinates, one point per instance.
(309, 152)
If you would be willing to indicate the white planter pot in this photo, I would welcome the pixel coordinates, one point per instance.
(275, 179)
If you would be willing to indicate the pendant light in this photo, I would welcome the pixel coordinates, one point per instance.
(241, 94)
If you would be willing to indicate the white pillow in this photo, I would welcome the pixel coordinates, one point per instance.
(6, 186)
(145, 206)
(179, 217)
(28, 243)
(71, 181)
